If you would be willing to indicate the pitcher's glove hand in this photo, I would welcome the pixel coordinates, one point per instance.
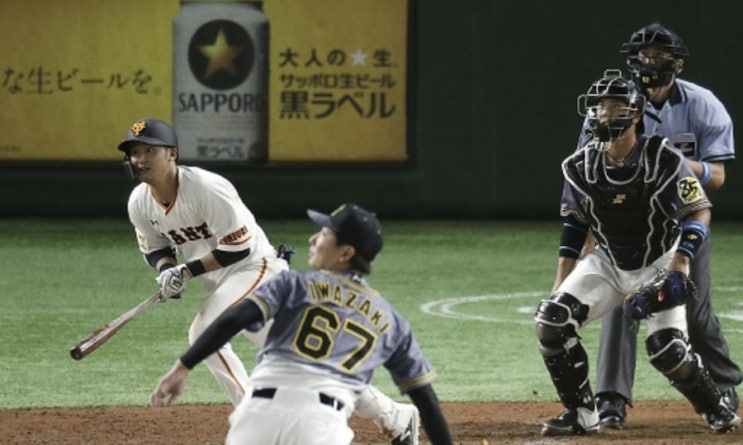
(664, 291)
(173, 281)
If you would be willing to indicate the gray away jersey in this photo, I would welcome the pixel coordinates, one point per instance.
(338, 323)
(634, 211)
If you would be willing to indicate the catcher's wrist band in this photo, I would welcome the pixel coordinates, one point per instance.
(693, 234)
(706, 173)
(573, 236)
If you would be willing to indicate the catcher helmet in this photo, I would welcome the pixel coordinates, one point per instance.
(610, 120)
(658, 37)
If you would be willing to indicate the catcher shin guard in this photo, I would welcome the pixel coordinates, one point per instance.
(670, 354)
(563, 354)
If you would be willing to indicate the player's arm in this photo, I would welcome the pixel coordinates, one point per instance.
(217, 334)
(165, 258)
(711, 174)
(432, 418)
(161, 259)
(589, 245)
(691, 207)
(715, 142)
(572, 242)
(174, 278)
(693, 232)
(216, 259)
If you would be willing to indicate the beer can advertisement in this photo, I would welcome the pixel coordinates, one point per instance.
(251, 82)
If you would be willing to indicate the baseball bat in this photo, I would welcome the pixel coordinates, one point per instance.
(101, 335)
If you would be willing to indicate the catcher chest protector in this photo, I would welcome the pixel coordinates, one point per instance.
(621, 229)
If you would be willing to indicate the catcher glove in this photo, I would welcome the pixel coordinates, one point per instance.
(664, 291)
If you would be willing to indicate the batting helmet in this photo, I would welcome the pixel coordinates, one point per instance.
(659, 37)
(150, 132)
(614, 122)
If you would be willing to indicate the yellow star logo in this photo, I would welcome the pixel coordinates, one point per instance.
(221, 55)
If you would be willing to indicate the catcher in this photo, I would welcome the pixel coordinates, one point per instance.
(649, 215)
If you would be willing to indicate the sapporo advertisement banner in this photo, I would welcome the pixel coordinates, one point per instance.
(241, 81)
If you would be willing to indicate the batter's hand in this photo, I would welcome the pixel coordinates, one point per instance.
(171, 386)
(173, 281)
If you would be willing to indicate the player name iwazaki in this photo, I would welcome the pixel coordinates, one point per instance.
(345, 297)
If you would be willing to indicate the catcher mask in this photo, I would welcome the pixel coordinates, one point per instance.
(654, 55)
(611, 104)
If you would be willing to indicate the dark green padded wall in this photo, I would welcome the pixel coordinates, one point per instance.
(493, 90)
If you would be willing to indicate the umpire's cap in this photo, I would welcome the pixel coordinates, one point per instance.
(356, 226)
(151, 132)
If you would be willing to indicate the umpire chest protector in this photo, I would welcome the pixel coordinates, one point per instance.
(628, 205)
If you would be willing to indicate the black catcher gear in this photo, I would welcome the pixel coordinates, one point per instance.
(563, 354)
(612, 123)
(661, 38)
(664, 291)
(670, 353)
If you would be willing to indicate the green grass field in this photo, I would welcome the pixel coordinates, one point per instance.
(61, 279)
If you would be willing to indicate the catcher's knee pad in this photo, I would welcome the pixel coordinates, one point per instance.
(670, 354)
(556, 321)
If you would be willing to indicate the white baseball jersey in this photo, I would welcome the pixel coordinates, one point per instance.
(206, 214)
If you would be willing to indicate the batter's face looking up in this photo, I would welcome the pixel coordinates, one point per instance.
(150, 161)
(326, 253)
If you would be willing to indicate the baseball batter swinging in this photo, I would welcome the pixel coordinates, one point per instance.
(200, 214)
(330, 331)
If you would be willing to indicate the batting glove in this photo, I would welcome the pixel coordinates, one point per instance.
(173, 281)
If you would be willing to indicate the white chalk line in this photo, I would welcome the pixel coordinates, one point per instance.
(521, 314)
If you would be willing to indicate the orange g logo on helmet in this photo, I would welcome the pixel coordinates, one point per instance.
(138, 127)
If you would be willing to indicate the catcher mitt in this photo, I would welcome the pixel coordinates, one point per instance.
(664, 291)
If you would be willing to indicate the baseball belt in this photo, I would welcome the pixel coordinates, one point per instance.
(269, 393)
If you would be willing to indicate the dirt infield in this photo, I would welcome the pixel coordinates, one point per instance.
(658, 422)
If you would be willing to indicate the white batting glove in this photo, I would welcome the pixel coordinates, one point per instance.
(173, 281)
